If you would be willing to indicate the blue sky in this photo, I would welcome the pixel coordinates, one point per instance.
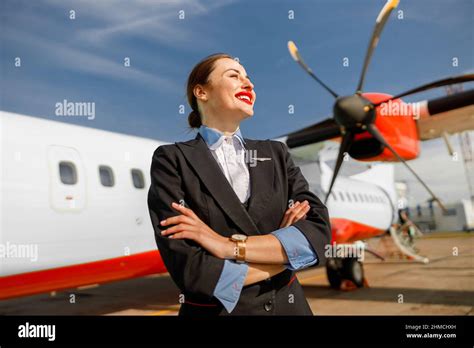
(81, 60)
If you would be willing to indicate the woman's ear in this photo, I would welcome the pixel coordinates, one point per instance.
(200, 93)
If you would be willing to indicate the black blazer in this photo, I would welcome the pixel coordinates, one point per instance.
(188, 171)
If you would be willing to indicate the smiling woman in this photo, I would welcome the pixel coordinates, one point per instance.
(233, 243)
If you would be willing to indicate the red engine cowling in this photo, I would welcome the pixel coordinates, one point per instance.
(396, 121)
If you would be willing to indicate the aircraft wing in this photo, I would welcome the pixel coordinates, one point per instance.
(452, 114)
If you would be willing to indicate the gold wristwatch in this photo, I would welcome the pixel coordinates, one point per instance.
(239, 250)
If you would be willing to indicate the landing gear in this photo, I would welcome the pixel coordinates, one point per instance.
(344, 269)
(353, 270)
(333, 271)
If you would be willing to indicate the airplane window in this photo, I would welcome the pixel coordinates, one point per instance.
(366, 197)
(348, 197)
(106, 176)
(333, 196)
(137, 178)
(361, 197)
(355, 197)
(342, 196)
(67, 173)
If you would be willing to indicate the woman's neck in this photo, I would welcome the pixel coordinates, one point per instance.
(225, 127)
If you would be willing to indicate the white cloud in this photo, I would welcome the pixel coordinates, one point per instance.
(83, 60)
(154, 20)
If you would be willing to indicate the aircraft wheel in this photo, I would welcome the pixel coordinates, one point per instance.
(333, 271)
(353, 270)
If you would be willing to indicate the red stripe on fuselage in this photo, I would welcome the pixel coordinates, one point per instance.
(119, 268)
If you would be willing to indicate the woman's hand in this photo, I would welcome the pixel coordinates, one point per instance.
(189, 226)
(296, 212)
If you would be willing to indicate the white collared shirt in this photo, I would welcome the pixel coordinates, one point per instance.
(229, 152)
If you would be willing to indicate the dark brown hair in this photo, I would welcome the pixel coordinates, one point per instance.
(200, 76)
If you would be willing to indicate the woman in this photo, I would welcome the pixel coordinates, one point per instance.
(219, 206)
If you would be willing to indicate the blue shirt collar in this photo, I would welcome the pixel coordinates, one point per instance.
(212, 135)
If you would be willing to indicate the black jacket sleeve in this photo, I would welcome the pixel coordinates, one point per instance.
(191, 267)
(317, 226)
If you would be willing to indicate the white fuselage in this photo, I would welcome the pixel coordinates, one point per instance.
(71, 224)
(87, 221)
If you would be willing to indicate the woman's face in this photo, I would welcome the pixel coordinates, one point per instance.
(229, 91)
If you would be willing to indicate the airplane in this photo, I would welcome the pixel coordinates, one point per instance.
(73, 199)
(74, 211)
(378, 127)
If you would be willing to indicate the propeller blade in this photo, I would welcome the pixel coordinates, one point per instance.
(297, 57)
(374, 40)
(345, 145)
(373, 130)
(440, 83)
(321, 131)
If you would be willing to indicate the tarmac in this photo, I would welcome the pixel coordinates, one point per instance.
(396, 286)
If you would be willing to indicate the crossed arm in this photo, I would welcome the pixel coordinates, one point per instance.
(264, 254)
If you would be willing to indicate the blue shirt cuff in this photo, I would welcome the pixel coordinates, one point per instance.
(297, 247)
(230, 284)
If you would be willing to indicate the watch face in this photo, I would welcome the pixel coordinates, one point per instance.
(239, 237)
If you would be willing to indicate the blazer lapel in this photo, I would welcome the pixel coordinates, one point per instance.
(208, 170)
(261, 168)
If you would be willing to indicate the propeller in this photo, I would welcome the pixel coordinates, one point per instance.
(355, 114)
